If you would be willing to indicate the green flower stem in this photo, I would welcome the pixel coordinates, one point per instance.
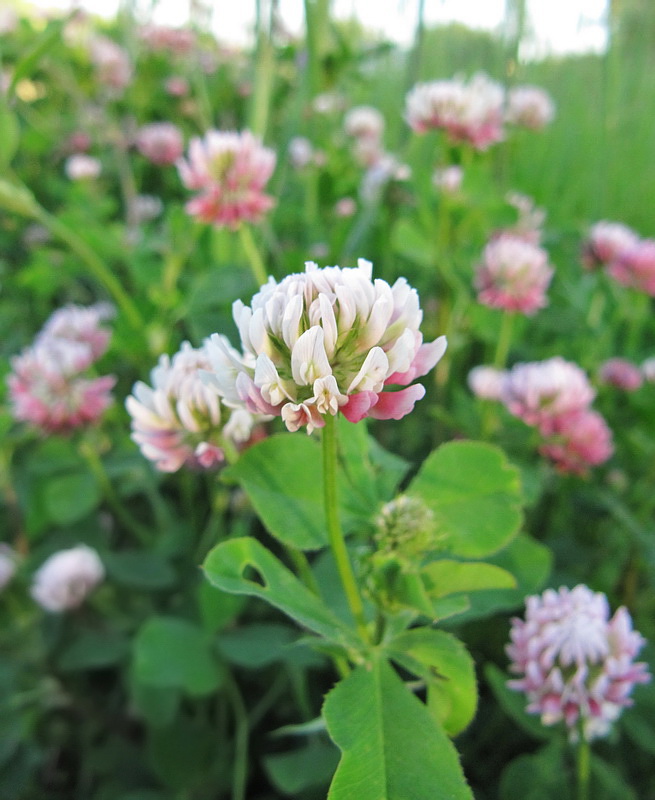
(335, 534)
(583, 768)
(253, 254)
(504, 340)
(94, 264)
(113, 500)
(303, 570)
(241, 735)
(264, 71)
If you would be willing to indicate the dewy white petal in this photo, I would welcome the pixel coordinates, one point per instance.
(366, 267)
(347, 307)
(268, 381)
(374, 370)
(291, 321)
(403, 351)
(309, 360)
(377, 323)
(327, 396)
(239, 426)
(329, 324)
(257, 333)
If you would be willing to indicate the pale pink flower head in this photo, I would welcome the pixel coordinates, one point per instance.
(176, 86)
(65, 579)
(364, 122)
(345, 207)
(514, 275)
(8, 565)
(468, 112)
(47, 390)
(324, 341)
(575, 664)
(486, 382)
(622, 374)
(448, 179)
(301, 152)
(635, 267)
(160, 38)
(82, 326)
(578, 441)
(113, 66)
(179, 421)
(230, 171)
(606, 242)
(530, 107)
(160, 142)
(543, 392)
(82, 167)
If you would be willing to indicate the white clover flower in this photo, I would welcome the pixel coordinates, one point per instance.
(324, 341)
(80, 167)
(66, 578)
(181, 421)
(530, 106)
(364, 122)
(577, 665)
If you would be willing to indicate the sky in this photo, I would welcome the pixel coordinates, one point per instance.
(557, 26)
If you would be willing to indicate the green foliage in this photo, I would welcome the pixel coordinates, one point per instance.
(392, 747)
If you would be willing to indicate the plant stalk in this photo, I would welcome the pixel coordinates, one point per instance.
(252, 253)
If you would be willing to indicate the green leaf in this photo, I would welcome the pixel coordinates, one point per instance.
(9, 133)
(217, 609)
(174, 653)
(475, 495)
(140, 569)
(446, 577)
(70, 497)
(258, 644)
(183, 753)
(409, 240)
(530, 564)
(392, 747)
(228, 563)
(540, 776)
(283, 477)
(445, 665)
(513, 704)
(309, 766)
(157, 706)
(93, 650)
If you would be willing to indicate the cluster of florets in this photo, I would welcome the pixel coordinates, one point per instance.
(161, 38)
(179, 420)
(82, 167)
(66, 578)
(326, 341)
(470, 111)
(621, 373)
(229, 171)
(530, 107)
(160, 142)
(365, 126)
(514, 275)
(112, 63)
(47, 385)
(576, 664)
(303, 154)
(626, 257)
(553, 396)
(448, 179)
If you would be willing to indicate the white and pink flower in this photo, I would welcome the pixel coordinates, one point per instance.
(575, 664)
(82, 167)
(179, 421)
(66, 579)
(160, 142)
(229, 171)
(606, 242)
(324, 341)
(486, 382)
(635, 267)
(514, 275)
(578, 441)
(530, 107)
(622, 374)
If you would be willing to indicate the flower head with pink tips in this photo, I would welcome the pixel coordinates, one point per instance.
(326, 341)
(574, 663)
(229, 170)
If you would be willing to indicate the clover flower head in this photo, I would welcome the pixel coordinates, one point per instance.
(468, 112)
(606, 242)
(575, 664)
(578, 441)
(486, 382)
(364, 122)
(635, 267)
(514, 275)
(82, 167)
(648, 370)
(179, 420)
(622, 374)
(530, 107)
(324, 341)
(79, 325)
(112, 63)
(66, 578)
(448, 179)
(160, 142)
(541, 393)
(301, 152)
(229, 170)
